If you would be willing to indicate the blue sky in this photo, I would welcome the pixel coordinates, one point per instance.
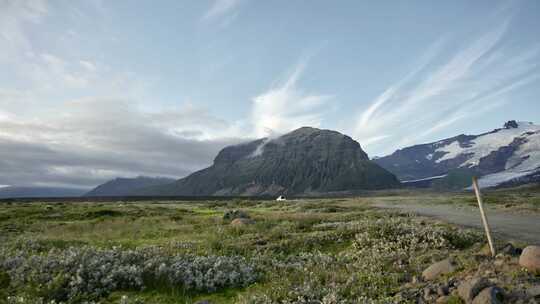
(90, 90)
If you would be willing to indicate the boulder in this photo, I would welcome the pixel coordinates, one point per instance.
(490, 295)
(530, 258)
(241, 222)
(508, 249)
(441, 267)
(468, 289)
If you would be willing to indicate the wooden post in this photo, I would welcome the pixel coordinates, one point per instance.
(483, 214)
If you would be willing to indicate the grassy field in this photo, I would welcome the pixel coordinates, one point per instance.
(298, 251)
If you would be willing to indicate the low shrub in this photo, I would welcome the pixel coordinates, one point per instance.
(85, 273)
(386, 251)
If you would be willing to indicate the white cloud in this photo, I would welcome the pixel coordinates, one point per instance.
(287, 107)
(222, 9)
(88, 65)
(91, 140)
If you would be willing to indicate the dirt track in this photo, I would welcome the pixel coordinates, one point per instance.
(510, 225)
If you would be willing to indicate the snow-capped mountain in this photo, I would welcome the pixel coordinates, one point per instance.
(505, 156)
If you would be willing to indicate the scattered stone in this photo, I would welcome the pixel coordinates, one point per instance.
(490, 295)
(427, 293)
(442, 267)
(508, 249)
(467, 290)
(534, 291)
(530, 258)
(498, 263)
(516, 296)
(442, 300)
(442, 290)
(240, 222)
(452, 282)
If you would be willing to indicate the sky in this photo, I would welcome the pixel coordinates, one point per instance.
(92, 90)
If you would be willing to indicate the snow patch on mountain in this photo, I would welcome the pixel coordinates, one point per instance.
(495, 179)
(483, 145)
(527, 156)
(424, 179)
(452, 150)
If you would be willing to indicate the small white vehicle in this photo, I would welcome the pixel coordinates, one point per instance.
(281, 198)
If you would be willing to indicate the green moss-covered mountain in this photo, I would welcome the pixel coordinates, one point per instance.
(304, 161)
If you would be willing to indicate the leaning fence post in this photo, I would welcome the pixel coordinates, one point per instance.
(483, 214)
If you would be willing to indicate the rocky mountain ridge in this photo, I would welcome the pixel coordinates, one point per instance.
(504, 156)
(304, 161)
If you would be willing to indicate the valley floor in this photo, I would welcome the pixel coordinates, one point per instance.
(297, 251)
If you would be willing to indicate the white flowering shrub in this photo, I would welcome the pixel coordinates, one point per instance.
(385, 252)
(395, 237)
(87, 273)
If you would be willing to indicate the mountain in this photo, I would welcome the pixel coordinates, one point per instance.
(15, 192)
(304, 161)
(506, 156)
(126, 186)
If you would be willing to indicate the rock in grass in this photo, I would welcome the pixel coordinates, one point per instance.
(468, 289)
(442, 290)
(442, 300)
(490, 295)
(530, 258)
(508, 249)
(534, 291)
(241, 222)
(442, 267)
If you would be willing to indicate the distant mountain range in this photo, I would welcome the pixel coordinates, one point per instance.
(126, 186)
(19, 192)
(304, 161)
(314, 161)
(502, 157)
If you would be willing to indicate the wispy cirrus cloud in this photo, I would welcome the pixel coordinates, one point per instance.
(222, 11)
(286, 106)
(435, 95)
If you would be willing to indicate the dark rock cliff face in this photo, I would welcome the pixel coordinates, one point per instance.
(307, 160)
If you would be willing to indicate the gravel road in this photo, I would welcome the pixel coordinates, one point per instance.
(509, 225)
